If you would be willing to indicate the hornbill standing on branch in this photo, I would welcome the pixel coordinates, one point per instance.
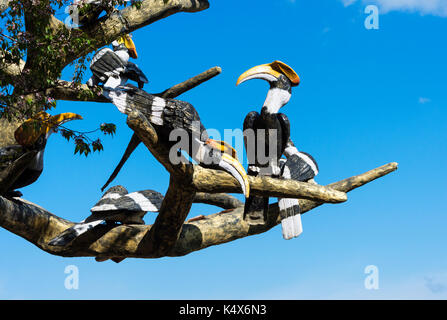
(113, 68)
(115, 206)
(22, 164)
(299, 166)
(267, 131)
(167, 115)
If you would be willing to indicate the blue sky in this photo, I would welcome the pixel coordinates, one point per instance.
(367, 97)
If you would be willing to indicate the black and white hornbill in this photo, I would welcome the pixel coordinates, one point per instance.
(167, 115)
(113, 68)
(22, 164)
(115, 206)
(299, 166)
(266, 134)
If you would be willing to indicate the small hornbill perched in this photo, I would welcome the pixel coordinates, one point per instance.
(270, 130)
(117, 205)
(113, 68)
(299, 166)
(21, 164)
(167, 115)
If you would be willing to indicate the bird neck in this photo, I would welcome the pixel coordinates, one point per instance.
(276, 99)
(123, 54)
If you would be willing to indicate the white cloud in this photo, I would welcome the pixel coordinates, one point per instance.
(423, 100)
(434, 7)
(348, 2)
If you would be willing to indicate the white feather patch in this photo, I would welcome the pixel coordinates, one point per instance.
(159, 102)
(118, 98)
(112, 196)
(291, 151)
(291, 227)
(104, 207)
(156, 119)
(142, 201)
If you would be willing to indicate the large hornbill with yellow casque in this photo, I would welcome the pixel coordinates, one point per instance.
(267, 133)
(113, 68)
(21, 164)
(167, 115)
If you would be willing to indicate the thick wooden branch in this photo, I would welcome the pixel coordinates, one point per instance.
(191, 83)
(10, 69)
(39, 226)
(4, 4)
(130, 19)
(163, 235)
(221, 200)
(68, 91)
(216, 181)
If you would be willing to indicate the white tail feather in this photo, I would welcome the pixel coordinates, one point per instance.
(291, 218)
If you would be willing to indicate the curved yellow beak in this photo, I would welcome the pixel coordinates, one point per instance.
(258, 72)
(31, 129)
(270, 72)
(130, 45)
(231, 164)
(62, 118)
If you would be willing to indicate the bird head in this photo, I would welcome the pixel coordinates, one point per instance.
(41, 126)
(229, 162)
(127, 41)
(281, 78)
(271, 72)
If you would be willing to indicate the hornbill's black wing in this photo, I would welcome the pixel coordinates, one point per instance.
(250, 137)
(105, 63)
(164, 114)
(285, 126)
(300, 167)
(14, 160)
(256, 208)
(133, 72)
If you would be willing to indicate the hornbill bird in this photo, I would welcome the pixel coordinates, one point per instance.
(267, 131)
(113, 68)
(115, 206)
(167, 115)
(299, 166)
(21, 164)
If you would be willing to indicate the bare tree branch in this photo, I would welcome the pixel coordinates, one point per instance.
(11, 69)
(38, 226)
(69, 91)
(222, 200)
(4, 4)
